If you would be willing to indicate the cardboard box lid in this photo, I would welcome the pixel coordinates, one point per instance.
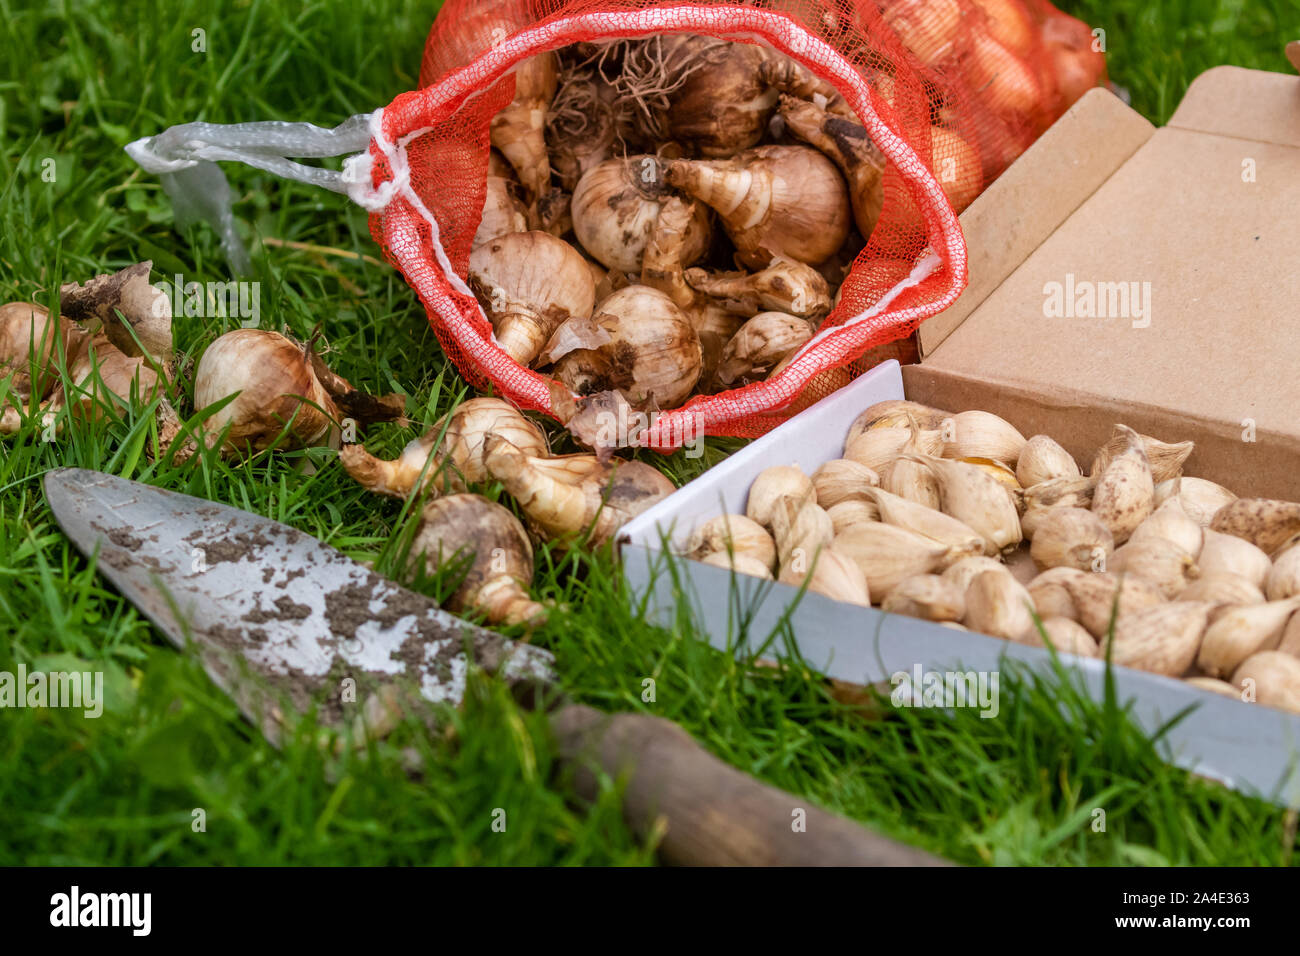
(1195, 226)
(1014, 215)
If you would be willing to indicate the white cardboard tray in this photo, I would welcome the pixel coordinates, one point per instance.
(1245, 746)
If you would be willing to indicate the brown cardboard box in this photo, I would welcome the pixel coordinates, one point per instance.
(1184, 238)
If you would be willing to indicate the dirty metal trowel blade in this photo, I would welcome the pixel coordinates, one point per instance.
(269, 608)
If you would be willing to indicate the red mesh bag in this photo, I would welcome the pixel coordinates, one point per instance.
(994, 72)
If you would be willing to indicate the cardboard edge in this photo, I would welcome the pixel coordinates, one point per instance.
(1220, 455)
(1239, 102)
(1015, 215)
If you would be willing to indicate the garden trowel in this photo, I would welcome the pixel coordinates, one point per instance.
(281, 622)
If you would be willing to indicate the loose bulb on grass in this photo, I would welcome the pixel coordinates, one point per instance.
(493, 548)
(284, 394)
(577, 495)
(449, 456)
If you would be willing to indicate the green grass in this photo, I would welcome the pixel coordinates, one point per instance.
(78, 81)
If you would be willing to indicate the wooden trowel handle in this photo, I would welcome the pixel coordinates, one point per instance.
(714, 814)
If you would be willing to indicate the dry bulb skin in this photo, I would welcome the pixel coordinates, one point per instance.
(879, 448)
(491, 545)
(502, 212)
(662, 268)
(1060, 493)
(736, 534)
(31, 343)
(1222, 588)
(1125, 492)
(1166, 460)
(773, 484)
(1242, 631)
(1051, 597)
(784, 286)
(896, 413)
(529, 284)
(843, 480)
(1042, 459)
(960, 540)
(963, 571)
(1171, 523)
(1097, 596)
(887, 555)
(577, 494)
(927, 596)
(773, 201)
(519, 130)
(740, 563)
(1228, 554)
(113, 340)
(906, 477)
(651, 355)
(1265, 523)
(1274, 677)
(133, 315)
(1284, 578)
(790, 76)
(1158, 561)
(1201, 499)
(846, 143)
(1162, 639)
(285, 395)
(761, 344)
(1072, 538)
(976, 434)
(972, 496)
(616, 207)
(850, 513)
(833, 575)
(1214, 686)
(998, 604)
(801, 529)
(449, 456)
(1067, 636)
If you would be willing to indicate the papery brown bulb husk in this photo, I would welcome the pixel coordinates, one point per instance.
(285, 396)
(773, 201)
(793, 78)
(449, 455)
(518, 131)
(529, 283)
(488, 542)
(100, 376)
(762, 343)
(662, 269)
(576, 494)
(847, 144)
(616, 206)
(277, 389)
(653, 355)
(497, 166)
(502, 212)
(784, 286)
(704, 93)
(31, 342)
